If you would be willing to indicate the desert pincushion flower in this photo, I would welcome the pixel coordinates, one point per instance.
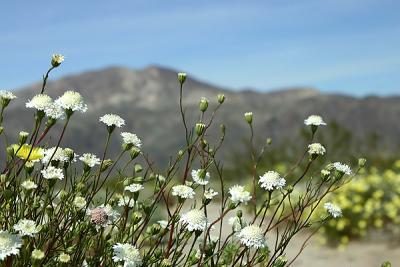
(200, 176)
(79, 202)
(271, 180)
(26, 227)
(334, 210)
(112, 120)
(252, 236)
(342, 168)
(314, 120)
(55, 155)
(183, 191)
(90, 160)
(210, 193)
(133, 188)
(72, 101)
(64, 258)
(25, 151)
(40, 102)
(131, 139)
(316, 149)
(128, 254)
(9, 244)
(52, 172)
(28, 185)
(194, 220)
(4, 94)
(239, 194)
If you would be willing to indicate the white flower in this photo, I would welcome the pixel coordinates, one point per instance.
(37, 254)
(131, 139)
(239, 195)
(271, 180)
(252, 236)
(28, 185)
(57, 59)
(64, 257)
(333, 210)
(236, 224)
(72, 100)
(60, 155)
(26, 227)
(316, 149)
(195, 220)
(134, 188)
(210, 193)
(54, 111)
(127, 253)
(9, 244)
(7, 95)
(52, 172)
(343, 168)
(40, 102)
(314, 120)
(112, 120)
(90, 159)
(200, 176)
(183, 191)
(79, 202)
(163, 224)
(126, 201)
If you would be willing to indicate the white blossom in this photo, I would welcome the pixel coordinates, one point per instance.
(200, 177)
(9, 244)
(131, 139)
(90, 159)
(210, 193)
(271, 180)
(252, 236)
(72, 100)
(195, 220)
(40, 102)
(4, 94)
(343, 168)
(316, 149)
(314, 120)
(52, 172)
(112, 120)
(26, 227)
(334, 210)
(183, 191)
(127, 253)
(239, 195)
(134, 188)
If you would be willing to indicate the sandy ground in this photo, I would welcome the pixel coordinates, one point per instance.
(357, 254)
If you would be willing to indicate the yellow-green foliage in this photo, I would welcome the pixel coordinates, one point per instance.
(370, 202)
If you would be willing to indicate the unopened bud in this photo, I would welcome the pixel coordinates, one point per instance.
(221, 98)
(269, 141)
(199, 128)
(134, 152)
(248, 116)
(361, 162)
(106, 164)
(203, 105)
(138, 168)
(56, 60)
(181, 77)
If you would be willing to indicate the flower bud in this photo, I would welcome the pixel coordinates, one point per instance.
(203, 105)
(56, 60)
(106, 164)
(29, 167)
(386, 264)
(269, 141)
(3, 178)
(134, 152)
(166, 263)
(10, 151)
(221, 98)
(280, 261)
(199, 128)
(70, 153)
(1, 129)
(138, 168)
(325, 175)
(223, 128)
(63, 195)
(181, 77)
(136, 217)
(248, 116)
(239, 213)
(361, 162)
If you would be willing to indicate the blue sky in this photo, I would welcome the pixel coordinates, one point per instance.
(347, 46)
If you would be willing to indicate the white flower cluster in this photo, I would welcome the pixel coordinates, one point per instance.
(271, 180)
(128, 254)
(52, 172)
(26, 227)
(195, 220)
(183, 191)
(9, 244)
(59, 155)
(316, 149)
(7, 95)
(252, 236)
(314, 120)
(131, 139)
(134, 188)
(72, 100)
(200, 177)
(239, 195)
(334, 210)
(90, 160)
(343, 168)
(112, 120)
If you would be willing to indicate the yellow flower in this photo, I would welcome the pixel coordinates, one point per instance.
(23, 152)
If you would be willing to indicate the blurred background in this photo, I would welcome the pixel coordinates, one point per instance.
(283, 60)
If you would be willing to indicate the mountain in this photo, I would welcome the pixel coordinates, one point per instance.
(148, 100)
